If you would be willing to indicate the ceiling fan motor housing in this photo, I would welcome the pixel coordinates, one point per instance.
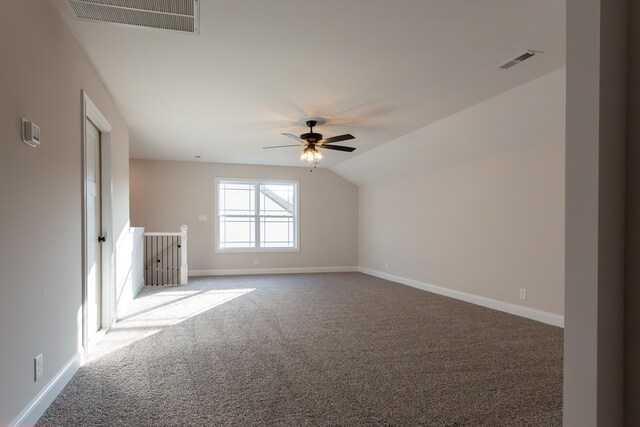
(311, 137)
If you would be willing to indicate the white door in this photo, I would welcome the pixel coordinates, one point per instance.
(94, 231)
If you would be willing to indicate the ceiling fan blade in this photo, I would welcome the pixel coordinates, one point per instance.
(296, 137)
(338, 138)
(280, 146)
(337, 147)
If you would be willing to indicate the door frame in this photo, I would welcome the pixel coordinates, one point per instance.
(90, 111)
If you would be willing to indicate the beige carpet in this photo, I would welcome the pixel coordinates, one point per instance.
(315, 349)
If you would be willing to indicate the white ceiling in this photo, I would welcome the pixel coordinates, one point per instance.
(519, 120)
(378, 69)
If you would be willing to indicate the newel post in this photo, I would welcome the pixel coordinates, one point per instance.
(184, 268)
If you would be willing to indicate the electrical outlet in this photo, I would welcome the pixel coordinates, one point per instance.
(203, 218)
(386, 265)
(37, 367)
(523, 293)
(256, 261)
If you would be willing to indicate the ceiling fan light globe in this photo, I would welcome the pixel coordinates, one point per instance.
(311, 155)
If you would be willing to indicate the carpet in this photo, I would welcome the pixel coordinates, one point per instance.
(314, 349)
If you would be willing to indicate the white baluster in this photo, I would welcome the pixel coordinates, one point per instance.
(184, 268)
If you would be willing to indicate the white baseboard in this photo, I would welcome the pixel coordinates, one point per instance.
(518, 310)
(293, 270)
(34, 410)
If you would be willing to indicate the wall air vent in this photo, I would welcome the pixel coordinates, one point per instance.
(173, 15)
(517, 60)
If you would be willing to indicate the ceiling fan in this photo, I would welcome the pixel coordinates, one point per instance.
(312, 141)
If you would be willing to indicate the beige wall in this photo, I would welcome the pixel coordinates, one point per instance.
(42, 72)
(487, 227)
(474, 202)
(166, 194)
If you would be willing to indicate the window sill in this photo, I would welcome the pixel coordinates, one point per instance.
(256, 250)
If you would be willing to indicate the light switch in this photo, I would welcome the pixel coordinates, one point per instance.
(202, 218)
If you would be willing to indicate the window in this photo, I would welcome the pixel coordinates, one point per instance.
(257, 215)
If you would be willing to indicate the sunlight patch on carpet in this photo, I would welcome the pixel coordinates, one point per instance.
(150, 314)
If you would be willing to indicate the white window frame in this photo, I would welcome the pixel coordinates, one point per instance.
(296, 227)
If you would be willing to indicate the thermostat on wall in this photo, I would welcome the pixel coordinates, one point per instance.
(30, 133)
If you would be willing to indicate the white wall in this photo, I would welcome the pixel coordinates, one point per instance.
(42, 73)
(474, 202)
(166, 194)
(130, 286)
(595, 211)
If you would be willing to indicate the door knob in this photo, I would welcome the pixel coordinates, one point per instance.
(102, 238)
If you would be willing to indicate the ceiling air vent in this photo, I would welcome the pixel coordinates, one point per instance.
(173, 15)
(518, 59)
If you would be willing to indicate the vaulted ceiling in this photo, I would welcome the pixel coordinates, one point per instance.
(378, 69)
